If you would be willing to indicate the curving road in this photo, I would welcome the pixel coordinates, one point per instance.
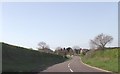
(73, 65)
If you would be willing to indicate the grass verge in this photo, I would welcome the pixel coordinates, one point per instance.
(107, 60)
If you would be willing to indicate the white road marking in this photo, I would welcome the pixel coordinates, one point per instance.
(69, 65)
(70, 68)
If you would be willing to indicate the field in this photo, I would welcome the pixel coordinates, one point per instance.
(107, 59)
(19, 59)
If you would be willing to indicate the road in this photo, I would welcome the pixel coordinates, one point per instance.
(73, 65)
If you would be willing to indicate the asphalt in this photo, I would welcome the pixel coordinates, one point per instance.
(73, 65)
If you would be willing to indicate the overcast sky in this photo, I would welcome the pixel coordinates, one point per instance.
(58, 23)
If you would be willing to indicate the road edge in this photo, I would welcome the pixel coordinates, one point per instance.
(94, 67)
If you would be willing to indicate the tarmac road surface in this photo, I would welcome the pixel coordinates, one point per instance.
(73, 65)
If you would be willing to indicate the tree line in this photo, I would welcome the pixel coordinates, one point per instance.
(98, 43)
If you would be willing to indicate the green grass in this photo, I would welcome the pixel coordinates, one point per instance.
(107, 59)
(19, 59)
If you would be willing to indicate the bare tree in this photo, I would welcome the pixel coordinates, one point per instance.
(100, 41)
(43, 45)
(92, 45)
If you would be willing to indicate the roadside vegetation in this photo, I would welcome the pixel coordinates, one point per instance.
(19, 59)
(100, 56)
(107, 59)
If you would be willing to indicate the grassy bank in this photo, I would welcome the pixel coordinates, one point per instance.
(19, 59)
(107, 59)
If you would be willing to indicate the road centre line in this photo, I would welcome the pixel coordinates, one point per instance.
(69, 67)
(71, 70)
